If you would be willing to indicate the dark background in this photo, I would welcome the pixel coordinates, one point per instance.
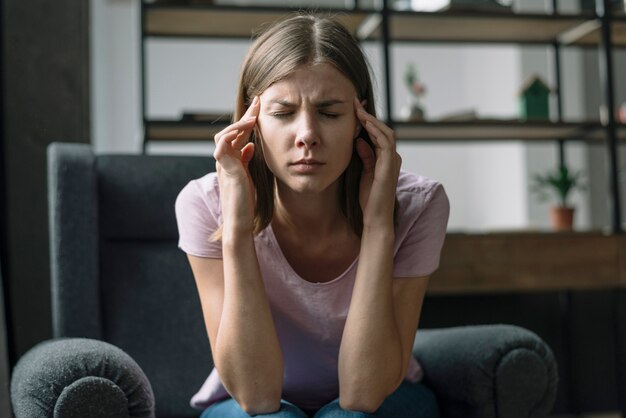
(45, 54)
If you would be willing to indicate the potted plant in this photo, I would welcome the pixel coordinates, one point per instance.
(560, 182)
(414, 110)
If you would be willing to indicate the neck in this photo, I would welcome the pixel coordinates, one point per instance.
(308, 214)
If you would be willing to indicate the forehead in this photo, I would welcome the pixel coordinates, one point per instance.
(315, 81)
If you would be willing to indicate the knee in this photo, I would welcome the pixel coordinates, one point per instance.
(360, 404)
(335, 409)
(259, 406)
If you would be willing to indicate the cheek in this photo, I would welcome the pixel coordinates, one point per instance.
(346, 138)
(271, 130)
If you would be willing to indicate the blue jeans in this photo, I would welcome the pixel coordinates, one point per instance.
(410, 400)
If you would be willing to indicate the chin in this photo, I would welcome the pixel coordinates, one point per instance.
(308, 184)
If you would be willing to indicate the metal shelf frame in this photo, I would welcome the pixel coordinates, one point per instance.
(597, 29)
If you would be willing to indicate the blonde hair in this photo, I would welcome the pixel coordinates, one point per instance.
(303, 39)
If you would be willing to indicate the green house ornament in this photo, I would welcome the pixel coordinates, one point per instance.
(534, 100)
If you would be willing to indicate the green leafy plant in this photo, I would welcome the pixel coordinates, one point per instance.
(560, 182)
(416, 88)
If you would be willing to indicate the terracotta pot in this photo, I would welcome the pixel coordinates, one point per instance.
(562, 218)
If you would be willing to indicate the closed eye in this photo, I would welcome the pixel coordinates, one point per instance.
(281, 114)
(330, 115)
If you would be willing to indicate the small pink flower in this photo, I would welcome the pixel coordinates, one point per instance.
(418, 89)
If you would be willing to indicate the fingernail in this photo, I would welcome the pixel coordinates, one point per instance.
(255, 100)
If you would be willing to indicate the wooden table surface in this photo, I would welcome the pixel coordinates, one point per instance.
(530, 261)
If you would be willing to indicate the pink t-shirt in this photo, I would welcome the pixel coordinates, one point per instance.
(310, 317)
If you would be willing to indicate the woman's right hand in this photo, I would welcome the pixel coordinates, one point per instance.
(232, 153)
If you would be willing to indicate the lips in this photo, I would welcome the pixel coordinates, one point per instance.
(307, 161)
(306, 165)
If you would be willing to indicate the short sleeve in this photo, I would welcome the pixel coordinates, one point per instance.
(420, 249)
(197, 215)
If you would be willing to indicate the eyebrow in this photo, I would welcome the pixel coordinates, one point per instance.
(320, 104)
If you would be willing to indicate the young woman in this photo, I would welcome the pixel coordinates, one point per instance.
(311, 250)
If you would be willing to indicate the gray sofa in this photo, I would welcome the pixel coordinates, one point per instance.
(129, 335)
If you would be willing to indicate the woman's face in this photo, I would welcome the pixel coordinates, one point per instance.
(308, 125)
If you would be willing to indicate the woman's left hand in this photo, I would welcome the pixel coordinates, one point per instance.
(381, 169)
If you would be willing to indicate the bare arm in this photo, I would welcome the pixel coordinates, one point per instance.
(244, 344)
(378, 337)
(382, 320)
(370, 356)
(243, 339)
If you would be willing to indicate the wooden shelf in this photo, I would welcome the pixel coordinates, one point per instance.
(495, 27)
(490, 130)
(192, 20)
(177, 131)
(529, 262)
(494, 130)
(179, 20)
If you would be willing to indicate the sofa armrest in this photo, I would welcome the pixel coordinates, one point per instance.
(78, 377)
(488, 371)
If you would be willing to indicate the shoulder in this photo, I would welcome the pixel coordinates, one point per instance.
(201, 193)
(416, 192)
(421, 223)
(198, 216)
(199, 189)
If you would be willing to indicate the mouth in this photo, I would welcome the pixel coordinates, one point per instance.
(306, 166)
(307, 161)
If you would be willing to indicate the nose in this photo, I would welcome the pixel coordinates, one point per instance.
(306, 135)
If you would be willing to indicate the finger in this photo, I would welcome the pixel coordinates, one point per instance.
(364, 116)
(228, 137)
(366, 153)
(222, 147)
(379, 139)
(381, 126)
(247, 153)
(246, 122)
(244, 136)
(242, 139)
(253, 109)
(241, 125)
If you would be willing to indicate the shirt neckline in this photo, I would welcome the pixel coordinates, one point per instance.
(284, 260)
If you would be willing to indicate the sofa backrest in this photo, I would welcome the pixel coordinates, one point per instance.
(118, 274)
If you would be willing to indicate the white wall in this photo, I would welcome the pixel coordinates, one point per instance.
(115, 83)
(487, 183)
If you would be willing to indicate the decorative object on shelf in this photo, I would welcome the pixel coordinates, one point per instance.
(182, 2)
(534, 100)
(621, 114)
(414, 110)
(562, 183)
(454, 5)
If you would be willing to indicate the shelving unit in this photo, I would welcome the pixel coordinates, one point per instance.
(388, 26)
(511, 262)
(210, 21)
